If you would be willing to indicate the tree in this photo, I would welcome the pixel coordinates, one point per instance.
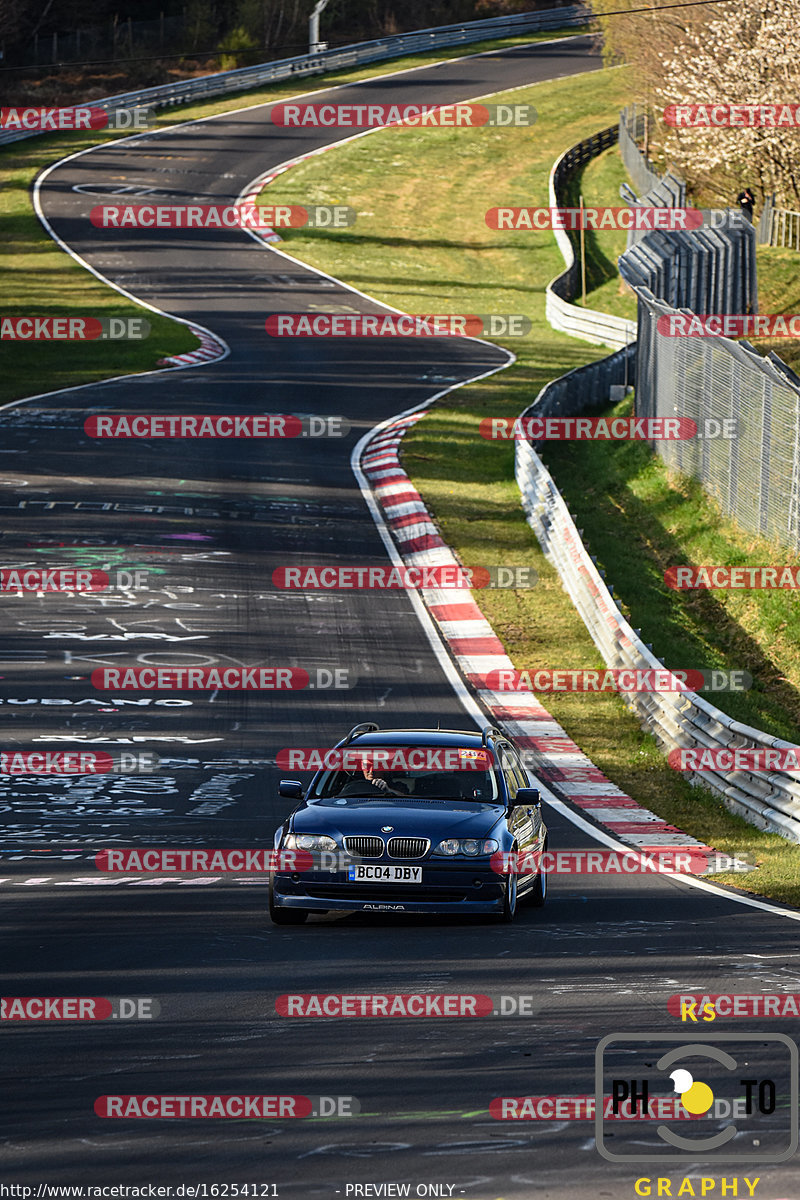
(750, 55)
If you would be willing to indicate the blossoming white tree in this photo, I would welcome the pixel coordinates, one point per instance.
(748, 54)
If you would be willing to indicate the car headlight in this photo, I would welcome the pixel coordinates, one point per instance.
(470, 847)
(309, 841)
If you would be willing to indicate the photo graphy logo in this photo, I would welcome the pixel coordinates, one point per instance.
(739, 1091)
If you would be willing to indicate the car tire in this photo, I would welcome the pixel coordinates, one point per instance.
(284, 916)
(509, 901)
(538, 893)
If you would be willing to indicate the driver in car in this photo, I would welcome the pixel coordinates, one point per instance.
(383, 785)
(366, 783)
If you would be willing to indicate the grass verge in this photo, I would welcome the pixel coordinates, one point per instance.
(39, 279)
(421, 244)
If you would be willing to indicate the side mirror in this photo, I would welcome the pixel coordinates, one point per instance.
(526, 798)
(291, 789)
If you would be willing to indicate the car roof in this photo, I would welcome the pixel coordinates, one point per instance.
(423, 737)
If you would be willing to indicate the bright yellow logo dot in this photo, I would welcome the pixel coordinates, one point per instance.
(698, 1099)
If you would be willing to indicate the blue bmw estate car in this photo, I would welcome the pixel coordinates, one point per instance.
(413, 821)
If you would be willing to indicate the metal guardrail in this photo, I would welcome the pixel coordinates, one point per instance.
(676, 719)
(599, 328)
(299, 67)
(679, 719)
(778, 226)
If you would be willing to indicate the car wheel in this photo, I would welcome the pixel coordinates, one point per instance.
(284, 916)
(509, 901)
(538, 894)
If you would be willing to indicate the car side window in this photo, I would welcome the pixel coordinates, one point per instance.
(519, 770)
(504, 754)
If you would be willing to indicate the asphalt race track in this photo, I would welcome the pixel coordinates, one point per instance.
(209, 521)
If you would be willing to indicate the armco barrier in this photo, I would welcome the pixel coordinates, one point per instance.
(676, 719)
(354, 55)
(599, 328)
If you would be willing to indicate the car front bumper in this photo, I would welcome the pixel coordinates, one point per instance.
(445, 889)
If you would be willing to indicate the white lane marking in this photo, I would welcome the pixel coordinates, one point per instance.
(158, 133)
(87, 881)
(455, 680)
(687, 880)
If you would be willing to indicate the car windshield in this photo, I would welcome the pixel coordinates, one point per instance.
(474, 785)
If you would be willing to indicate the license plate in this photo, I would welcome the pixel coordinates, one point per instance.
(387, 874)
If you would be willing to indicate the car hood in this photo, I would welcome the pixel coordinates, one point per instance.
(421, 818)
